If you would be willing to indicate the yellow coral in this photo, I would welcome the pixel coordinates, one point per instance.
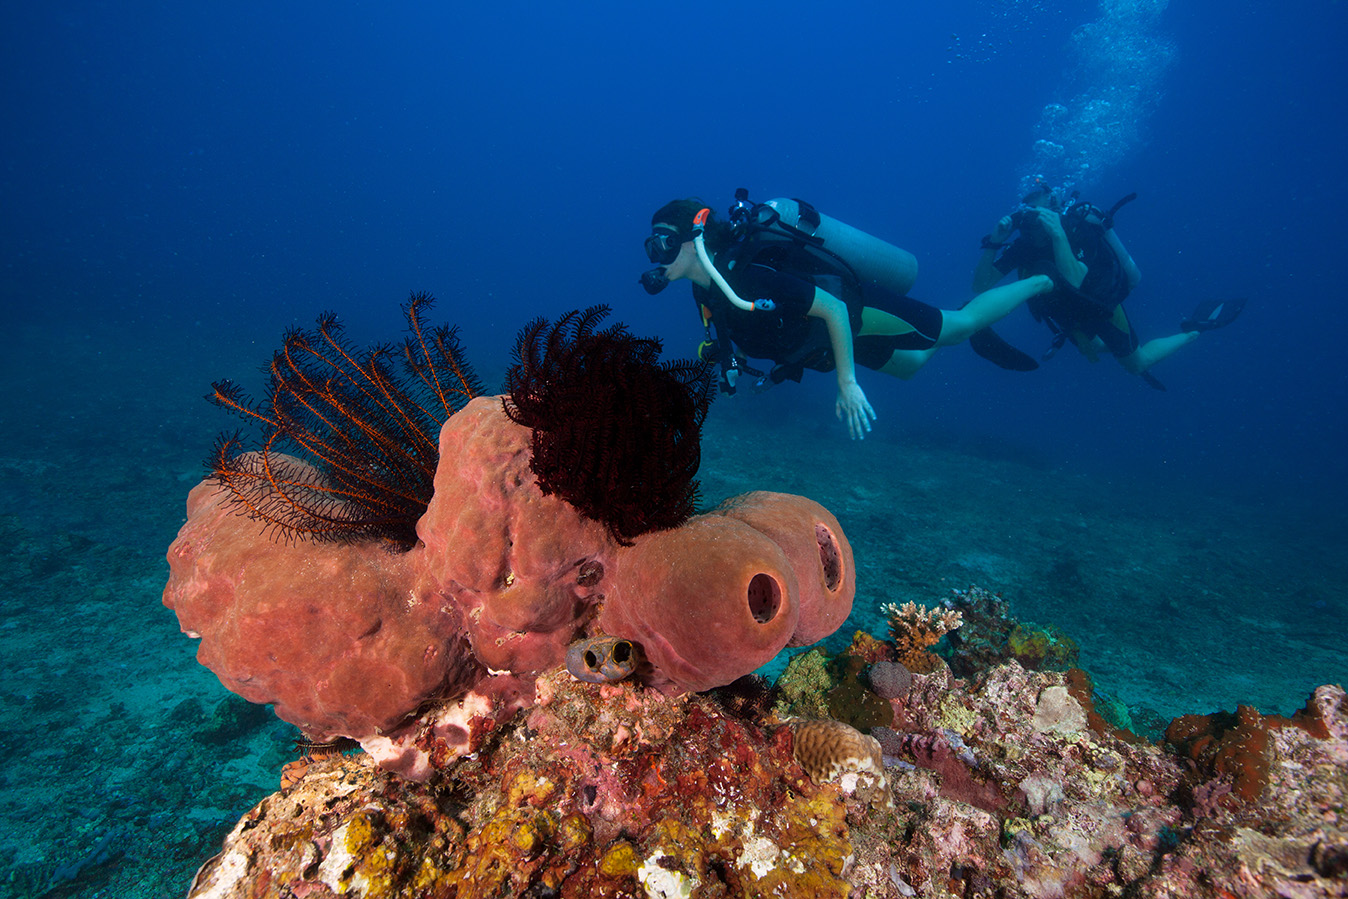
(913, 628)
(619, 861)
(952, 713)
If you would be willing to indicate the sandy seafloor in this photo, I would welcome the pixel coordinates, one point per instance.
(126, 762)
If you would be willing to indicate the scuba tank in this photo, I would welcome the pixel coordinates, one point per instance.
(849, 254)
(869, 258)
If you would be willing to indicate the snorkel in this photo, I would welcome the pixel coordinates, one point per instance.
(699, 225)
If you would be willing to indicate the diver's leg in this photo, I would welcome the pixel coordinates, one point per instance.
(989, 306)
(1154, 351)
(905, 363)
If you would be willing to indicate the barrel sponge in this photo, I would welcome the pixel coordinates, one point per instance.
(709, 601)
(524, 568)
(343, 639)
(817, 549)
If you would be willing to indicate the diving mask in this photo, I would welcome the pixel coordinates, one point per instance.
(663, 246)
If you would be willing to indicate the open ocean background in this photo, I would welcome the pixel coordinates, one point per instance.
(179, 183)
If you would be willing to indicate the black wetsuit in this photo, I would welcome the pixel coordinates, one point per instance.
(1068, 310)
(793, 339)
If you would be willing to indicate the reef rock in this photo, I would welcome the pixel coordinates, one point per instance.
(620, 790)
(596, 791)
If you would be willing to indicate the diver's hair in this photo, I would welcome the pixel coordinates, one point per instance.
(1053, 194)
(680, 214)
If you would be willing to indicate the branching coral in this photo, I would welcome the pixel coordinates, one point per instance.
(364, 425)
(913, 628)
(615, 432)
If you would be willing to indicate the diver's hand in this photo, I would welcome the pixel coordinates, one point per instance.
(854, 410)
(1051, 222)
(1002, 230)
(728, 378)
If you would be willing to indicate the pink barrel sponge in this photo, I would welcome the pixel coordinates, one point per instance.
(708, 601)
(524, 568)
(345, 640)
(817, 549)
(354, 639)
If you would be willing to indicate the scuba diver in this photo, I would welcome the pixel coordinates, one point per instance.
(781, 281)
(1074, 243)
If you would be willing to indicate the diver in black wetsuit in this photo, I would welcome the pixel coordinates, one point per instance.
(1092, 273)
(779, 306)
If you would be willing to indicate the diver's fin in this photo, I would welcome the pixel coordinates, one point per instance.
(1151, 381)
(986, 343)
(1213, 314)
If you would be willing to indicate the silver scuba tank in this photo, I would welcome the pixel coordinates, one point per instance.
(870, 257)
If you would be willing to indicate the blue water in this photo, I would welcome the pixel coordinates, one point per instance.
(181, 182)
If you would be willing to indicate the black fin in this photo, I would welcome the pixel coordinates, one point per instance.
(986, 343)
(1213, 314)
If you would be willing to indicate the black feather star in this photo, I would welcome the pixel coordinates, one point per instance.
(616, 433)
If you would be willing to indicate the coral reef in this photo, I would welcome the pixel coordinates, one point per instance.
(990, 636)
(490, 770)
(363, 424)
(616, 433)
(1000, 787)
(914, 629)
(616, 791)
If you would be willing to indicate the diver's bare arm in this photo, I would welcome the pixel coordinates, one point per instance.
(834, 313)
(985, 272)
(1072, 269)
(853, 409)
(1129, 266)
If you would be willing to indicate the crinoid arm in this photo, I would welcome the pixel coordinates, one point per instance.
(616, 432)
(349, 442)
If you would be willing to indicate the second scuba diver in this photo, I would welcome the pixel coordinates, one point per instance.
(791, 301)
(1075, 244)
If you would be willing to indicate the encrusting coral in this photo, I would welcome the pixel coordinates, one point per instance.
(1001, 786)
(599, 791)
